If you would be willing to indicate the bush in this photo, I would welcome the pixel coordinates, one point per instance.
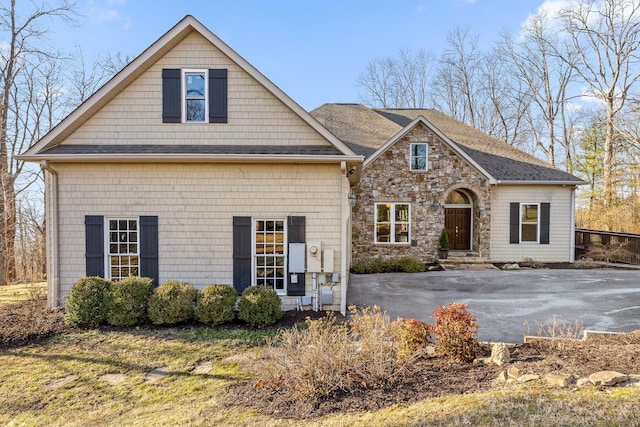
(413, 334)
(88, 302)
(259, 306)
(392, 265)
(456, 332)
(172, 302)
(128, 301)
(216, 304)
(325, 357)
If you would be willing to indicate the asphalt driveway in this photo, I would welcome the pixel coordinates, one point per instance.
(508, 304)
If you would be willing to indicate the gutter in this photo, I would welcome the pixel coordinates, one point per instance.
(580, 182)
(53, 261)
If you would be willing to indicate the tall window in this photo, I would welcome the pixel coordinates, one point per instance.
(269, 254)
(392, 222)
(529, 222)
(195, 95)
(419, 157)
(124, 256)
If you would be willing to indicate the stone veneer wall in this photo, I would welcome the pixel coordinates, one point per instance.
(389, 179)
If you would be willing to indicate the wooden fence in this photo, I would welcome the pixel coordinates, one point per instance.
(608, 246)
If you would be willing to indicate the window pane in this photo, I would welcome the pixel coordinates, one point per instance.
(457, 198)
(383, 233)
(195, 85)
(419, 163)
(402, 213)
(529, 232)
(402, 233)
(195, 110)
(382, 213)
(529, 213)
(419, 150)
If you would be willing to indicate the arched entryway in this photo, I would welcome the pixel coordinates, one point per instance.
(458, 220)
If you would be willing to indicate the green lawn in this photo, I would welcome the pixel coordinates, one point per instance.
(62, 382)
(12, 293)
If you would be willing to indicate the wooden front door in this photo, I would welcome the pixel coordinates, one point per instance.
(457, 221)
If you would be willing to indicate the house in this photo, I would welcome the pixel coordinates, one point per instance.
(191, 165)
(424, 171)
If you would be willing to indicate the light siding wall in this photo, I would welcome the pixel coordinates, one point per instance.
(255, 115)
(559, 248)
(195, 205)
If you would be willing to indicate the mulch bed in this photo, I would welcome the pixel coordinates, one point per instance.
(437, 377)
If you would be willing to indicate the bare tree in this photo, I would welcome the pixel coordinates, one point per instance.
(397, 82)
(545, 78)
(19, 59)
(605, 39)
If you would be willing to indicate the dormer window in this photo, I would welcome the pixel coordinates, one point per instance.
(194, 96)
(419, 157)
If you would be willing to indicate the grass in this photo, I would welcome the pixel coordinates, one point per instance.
(29, 396)
(21, 292)
(60, 382)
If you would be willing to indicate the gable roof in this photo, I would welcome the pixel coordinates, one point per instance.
(49, 146)
(371, 131)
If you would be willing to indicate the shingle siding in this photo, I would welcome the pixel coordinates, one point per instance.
(255, 115)
(195, 205)
(560, 223)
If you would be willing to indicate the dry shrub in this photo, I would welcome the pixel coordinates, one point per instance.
(456, 332)
(29, 320)
(560, 335)
(414, 336)
(326, 357)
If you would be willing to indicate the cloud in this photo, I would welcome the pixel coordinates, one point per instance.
(549, 10)
(108, 12)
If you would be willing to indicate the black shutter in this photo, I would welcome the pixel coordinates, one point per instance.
(296, 234)
(94, 245)
(149, 248)
(171, 94)
(514, 223)
(544, 222)
(218, 96)
(241, 252)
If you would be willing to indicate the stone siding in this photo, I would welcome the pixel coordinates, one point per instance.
(388, 178)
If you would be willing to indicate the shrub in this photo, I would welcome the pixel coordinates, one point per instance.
(325, 357)
(172, 302)
(443, 241)
(216, 304)
(456, 332)
(259, 306)
(128, 301)
(88, 302)
(392, 265)
(413, 334)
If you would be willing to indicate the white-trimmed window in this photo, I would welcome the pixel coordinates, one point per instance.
(392, 223)
(529, 222)
(269, 254)
(419, 157)
(194, 93)
(123, 248)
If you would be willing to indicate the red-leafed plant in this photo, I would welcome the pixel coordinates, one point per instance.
(456, 332)
(413, 334)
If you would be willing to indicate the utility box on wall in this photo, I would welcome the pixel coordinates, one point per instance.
(314, 256)
(296, 257)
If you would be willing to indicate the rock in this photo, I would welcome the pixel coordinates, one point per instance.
(156, 375)
(607, 378)
(500, 354)
(583, 382)
(513, 266)
(60, 382)
(114, 379)
(513, 372)
(634, 381)
(483, 361)
(528, 377)
(502, 377)
(559, 380)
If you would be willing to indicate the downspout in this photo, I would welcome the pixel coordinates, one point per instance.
(344, 278)
(572, 248)
(53, 262)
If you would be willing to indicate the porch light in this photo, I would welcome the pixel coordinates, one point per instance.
(352, 199)
(434, 206)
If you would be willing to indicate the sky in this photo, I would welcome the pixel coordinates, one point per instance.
(313, 50)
